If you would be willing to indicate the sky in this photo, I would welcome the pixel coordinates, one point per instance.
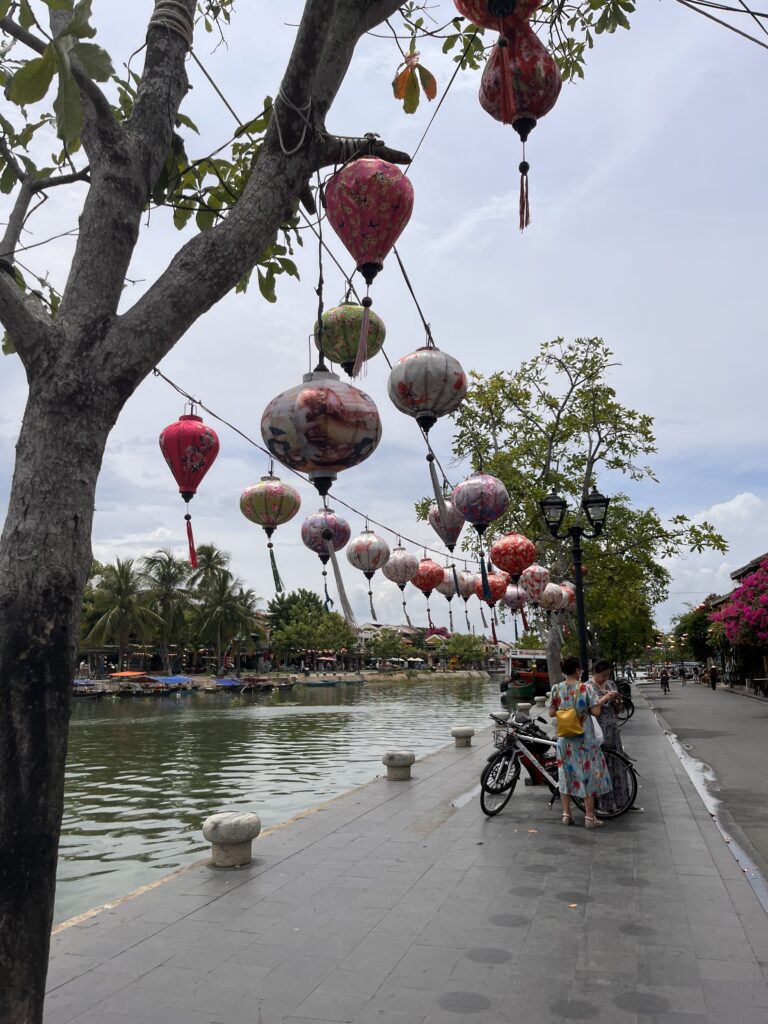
(648, 227)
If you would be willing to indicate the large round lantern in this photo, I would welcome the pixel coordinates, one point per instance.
(190, 448)
(428, 577)
(369, 202)
(270, 503)
(553, 598)
(427, 384)
(513, 552)
(337, 335)
(325, 533)
(448, 587)
(368, 552)
(322, 426)
(481, 499)
(533, 580)
(400, 569)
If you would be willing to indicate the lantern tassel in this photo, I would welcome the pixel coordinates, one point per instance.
(493, 629)
(514, 619)
(525, 621)
(482, 616)
(191, 542)
(405, 613)
(438, 490)
(328, 598)
(279, 587)
(370, 605)
(455, 577)
(450, 617)
(362, 345)
(466, 616)
(345, 605)
(525, 207)
(487, 595)
(429, 617)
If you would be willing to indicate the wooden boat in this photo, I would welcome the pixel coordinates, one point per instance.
(87, 689)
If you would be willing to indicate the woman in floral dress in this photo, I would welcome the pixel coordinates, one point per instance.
(609, 723)
(581, 766)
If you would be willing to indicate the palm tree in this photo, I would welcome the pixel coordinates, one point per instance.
(166, 576)
(224, 609)
(210, 562)
(121, 600)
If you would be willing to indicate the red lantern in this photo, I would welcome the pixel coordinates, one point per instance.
(491, 590)
(190, 449)
(369, 202)
(428, 576)
(513, 552)
(496, 13)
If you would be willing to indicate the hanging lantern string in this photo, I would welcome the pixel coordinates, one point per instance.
(337, 500)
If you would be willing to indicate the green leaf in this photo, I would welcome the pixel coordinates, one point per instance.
(67, 106)
(7, 180)
(289, 267)
(59, 5)
(26, 17)
(79, 24)
(8, 347)
(205, 218)
(428, 82)
(95, 60)
(412, 95)
(4, 5)
(31, 82)
(267, 285)
(188, 122)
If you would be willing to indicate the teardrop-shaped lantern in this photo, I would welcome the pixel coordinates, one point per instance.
(496, 14)
(400, 569)
(369, 202)
(427, 384)
(368, 552)
(427, 578)
(533, 580)
(448, 527)
(190, 448)
(270, 503)
(322, 426)
(513, 552)
(339, 338)
(325, 533)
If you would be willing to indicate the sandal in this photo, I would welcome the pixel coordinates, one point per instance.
(592, 822)
(567, 819)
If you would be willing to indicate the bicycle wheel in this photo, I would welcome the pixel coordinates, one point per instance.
(625, 712)
(623, 793)
(498, 783)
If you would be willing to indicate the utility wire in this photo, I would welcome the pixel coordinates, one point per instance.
(719, 21)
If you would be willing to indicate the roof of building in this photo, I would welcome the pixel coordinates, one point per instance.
(745, 570)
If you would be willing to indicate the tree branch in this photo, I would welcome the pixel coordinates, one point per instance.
(336, 149)
(26, 320)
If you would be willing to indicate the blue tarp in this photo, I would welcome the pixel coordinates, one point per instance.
(172, 680)
(230, 682)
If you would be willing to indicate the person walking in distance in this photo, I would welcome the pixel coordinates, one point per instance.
(714, 675)
(664, 680)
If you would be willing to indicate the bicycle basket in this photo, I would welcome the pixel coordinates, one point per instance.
(500, 738)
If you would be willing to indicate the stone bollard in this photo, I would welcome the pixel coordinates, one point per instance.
(540, 701)
(230, 834)
(505, 715)
(524, 707)
(398, 764)
(463, 735)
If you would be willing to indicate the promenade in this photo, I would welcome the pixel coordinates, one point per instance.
(400, 903)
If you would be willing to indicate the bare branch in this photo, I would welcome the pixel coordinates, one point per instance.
(336, 149)
(9, 26)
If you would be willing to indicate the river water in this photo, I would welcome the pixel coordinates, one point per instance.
(143, 773)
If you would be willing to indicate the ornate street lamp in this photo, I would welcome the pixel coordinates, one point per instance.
(595, 507)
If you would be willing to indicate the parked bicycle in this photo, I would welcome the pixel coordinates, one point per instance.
(521, 743)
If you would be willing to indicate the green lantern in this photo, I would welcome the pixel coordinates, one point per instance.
(342, 329)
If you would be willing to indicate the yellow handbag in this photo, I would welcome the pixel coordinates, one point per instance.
(569, 722)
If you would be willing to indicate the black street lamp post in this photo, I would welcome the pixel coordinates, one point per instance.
(595, 507)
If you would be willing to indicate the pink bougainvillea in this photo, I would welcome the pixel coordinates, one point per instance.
(744, 619)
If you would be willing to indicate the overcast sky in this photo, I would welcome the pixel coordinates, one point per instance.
(648, 229)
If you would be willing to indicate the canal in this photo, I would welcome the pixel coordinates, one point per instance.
(143, 773)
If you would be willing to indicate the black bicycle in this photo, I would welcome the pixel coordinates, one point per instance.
(521, 743)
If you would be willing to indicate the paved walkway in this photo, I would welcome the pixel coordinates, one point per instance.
(401, 904)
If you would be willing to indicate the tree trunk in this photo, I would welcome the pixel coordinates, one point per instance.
(45, 554)
(554, 649)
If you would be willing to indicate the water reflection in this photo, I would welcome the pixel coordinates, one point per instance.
(142, 773)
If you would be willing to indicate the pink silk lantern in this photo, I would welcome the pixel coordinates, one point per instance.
(533, 580)
(553, 598)
(325, 533)
(400, 569)
(497, 585)
(368, 552)
(513, 552)
(269, 503)
(427, 578)
(369, 202)
(449, 588)
(481, 499)
(515, 598)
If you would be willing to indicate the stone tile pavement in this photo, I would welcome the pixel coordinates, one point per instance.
(400, 903)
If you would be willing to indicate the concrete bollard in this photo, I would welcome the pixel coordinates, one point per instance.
(539, 701)
(398, 764)
(504, 715)
(230, 834)
(463, 735)
(525, 707)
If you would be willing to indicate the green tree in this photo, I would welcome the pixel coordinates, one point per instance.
(210, 562)
(388, 644)
(166, 577)
(297, 604)
(223, 609)
(469, 649)
(122, 603)
(556, 422)
(693, 631)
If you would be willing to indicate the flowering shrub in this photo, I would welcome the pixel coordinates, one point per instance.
(744, 619)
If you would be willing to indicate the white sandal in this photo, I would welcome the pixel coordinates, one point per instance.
(592, 822)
